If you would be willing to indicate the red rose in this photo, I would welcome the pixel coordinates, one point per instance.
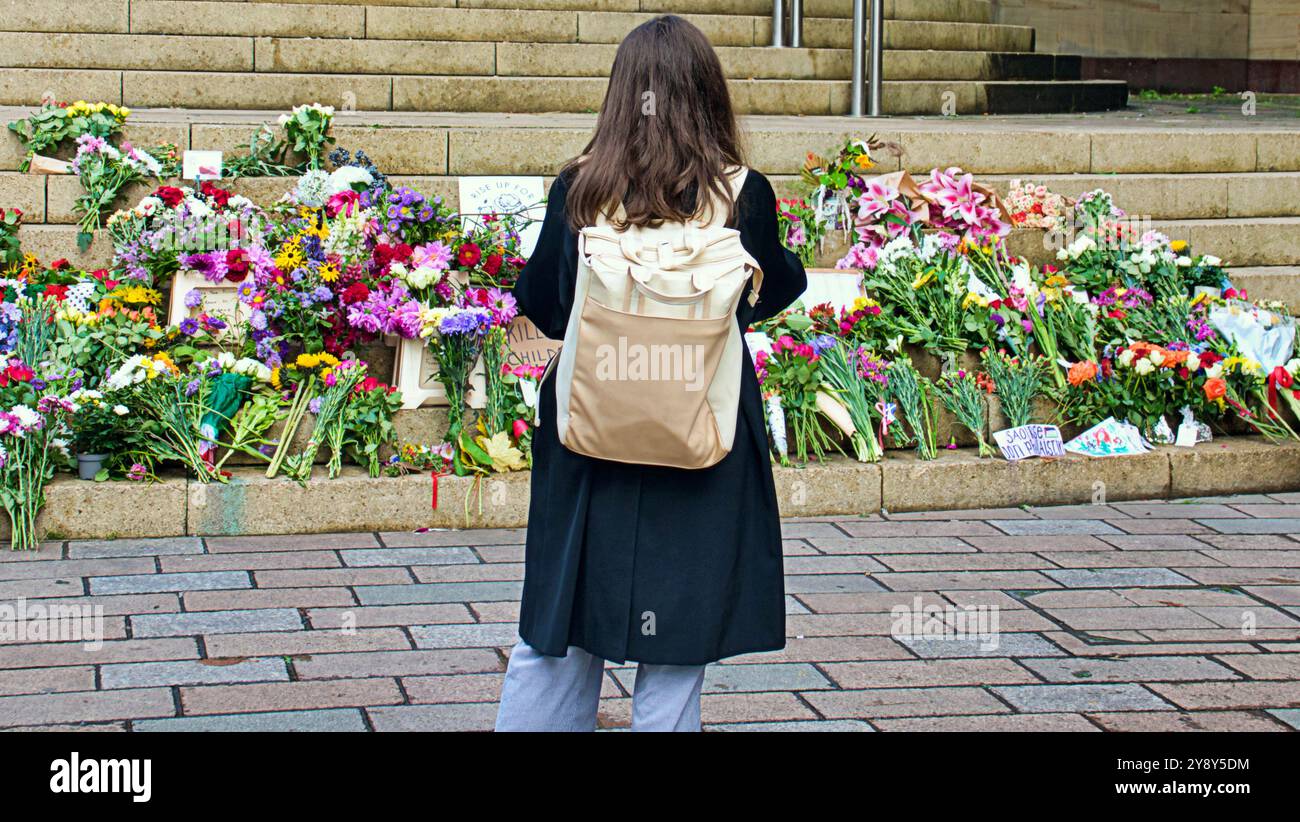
(492, 265)
(218, 195)
(469, 255)
(171, 195)
(60, 265)
(236, 265)
(58, 292)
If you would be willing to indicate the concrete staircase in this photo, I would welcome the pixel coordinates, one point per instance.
(942, 56)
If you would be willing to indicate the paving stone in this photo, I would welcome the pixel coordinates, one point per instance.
(479, 635)
(1083, 511)
(469, 572)
(495, 611)
(54, 654)
(192, 672)
(1094, 647)
(438, 592)
(1137, 669)
(216, 622)
(991, 723)
(1131, 618)
(67, 568)
(1176, 510)
(1264, 666)
(966, 562)
(441, 690)
(999, 645)
(830, 584)
(47, 680)
(851, 624)
(341, 577)
(382, 615)
(821, 564)
(453, 537)
(478, 716)
(794, 606)
(832, 649)
(1252, 616)
(972, 513)
(289, 542)
(1059, 600)
(266, 598)
(1079, 698)
(747, 678)
(1268, 510)
(1160, 526)
(1290, 716)
(1045, 542)
(111, 605)
(871, 703)
(169, 546)
(1236, 695)
(287, 696)
(1243, 576)
(959, 580)
(1030, 527)
(923, 528)
(329, 720)
(92, 706)
(891, 545)
(1250, 542)
(1185, 597)
(829, 725)
(152, 583)
(289, 643)
(260, 561)
(1253, 526)
(921, 673)
(1279, 594)
(869, 603)
(398, 663)
(1118, 578)
(409, 556)
(1165, 721)
(1155, 542)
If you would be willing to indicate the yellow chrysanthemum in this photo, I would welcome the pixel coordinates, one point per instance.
(1178, 246)
(328, 359)
(275, 379)
(138, 295)
(307, 360)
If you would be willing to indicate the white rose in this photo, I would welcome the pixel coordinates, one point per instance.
(1215, 371)
(121, 410)
(1156, 358)
(1144, 367)
(1126, 357)
(1193, 362)
(1211, 260)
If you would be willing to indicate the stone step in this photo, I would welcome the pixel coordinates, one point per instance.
(402, 22)
(957, 11)
(1061, 147)
(252, 504)
(1157, 196)
(302, 55)
(1270, 282)
(238, 90)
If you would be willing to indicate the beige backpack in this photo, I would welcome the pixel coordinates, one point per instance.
(650, 369)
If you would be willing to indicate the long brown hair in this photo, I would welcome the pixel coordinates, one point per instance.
(665, 134)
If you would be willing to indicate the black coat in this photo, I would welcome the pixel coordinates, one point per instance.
(658, 565)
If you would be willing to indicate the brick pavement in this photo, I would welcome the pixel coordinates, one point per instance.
(1131, 616)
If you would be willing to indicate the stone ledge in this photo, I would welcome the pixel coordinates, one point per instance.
(252, 504)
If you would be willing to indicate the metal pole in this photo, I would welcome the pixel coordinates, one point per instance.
(796, 23)
(875, 94)
(778, 23)
(857, 104)
(868, 58)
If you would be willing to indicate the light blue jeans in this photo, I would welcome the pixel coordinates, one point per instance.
(551, 693)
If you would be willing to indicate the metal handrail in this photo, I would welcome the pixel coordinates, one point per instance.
(779, 21)
(868, 58)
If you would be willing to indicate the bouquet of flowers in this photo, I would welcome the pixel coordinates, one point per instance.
(962, 395)
(843, 369)
(456, 335)
(801, 231)
(910, 393)
(1034, 206)
(329, 408)
(1017, 381)
(368, 422)
(54, 124)
(104, 170)
(305, 374)
(308, 130)
(793, 371)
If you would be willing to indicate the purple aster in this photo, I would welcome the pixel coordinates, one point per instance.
(189, 326)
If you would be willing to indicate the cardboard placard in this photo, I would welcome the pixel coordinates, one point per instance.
(831, 285)
(48, 165)
(529, 345)
(201, 165)
(220, 300)
(1033, 440)
(506, 195)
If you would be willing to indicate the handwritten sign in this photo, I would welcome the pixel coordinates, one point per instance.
(522, 196)
(1108, 438)
(1030, 441)
(529, 344)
